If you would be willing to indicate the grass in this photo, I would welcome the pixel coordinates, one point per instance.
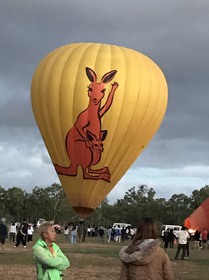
(195, 268)
(97, 260)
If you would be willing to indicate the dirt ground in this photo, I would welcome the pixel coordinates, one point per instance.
(17, 264)
(28, 271)
(19, 272)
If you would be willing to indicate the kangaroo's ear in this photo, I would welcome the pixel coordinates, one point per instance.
(103, 134)
(90, 135)
(91, 74)
(108, 76)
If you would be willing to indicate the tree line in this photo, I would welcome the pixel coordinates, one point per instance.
(51, 203)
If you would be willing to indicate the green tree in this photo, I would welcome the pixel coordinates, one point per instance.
(137, 203)
(198, 197)
(51, 203)
(3, 210)
(15, 201)
(102, 215)
(59, 205)
(178, 208)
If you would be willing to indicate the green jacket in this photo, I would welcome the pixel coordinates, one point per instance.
(49, 266)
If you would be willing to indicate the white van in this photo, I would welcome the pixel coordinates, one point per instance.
(174, 227)
(40, 221)
(122, 225)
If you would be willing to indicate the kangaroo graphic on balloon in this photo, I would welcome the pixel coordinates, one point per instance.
(84, 141)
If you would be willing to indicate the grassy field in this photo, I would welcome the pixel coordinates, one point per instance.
(95, 260)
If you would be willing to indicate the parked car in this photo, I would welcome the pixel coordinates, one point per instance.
(40, 221)
(57, 228)
(174, 227)
(125, 225)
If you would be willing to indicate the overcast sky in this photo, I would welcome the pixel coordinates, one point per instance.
(172, 33)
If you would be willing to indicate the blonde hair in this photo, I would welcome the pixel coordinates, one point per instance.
(44, 228)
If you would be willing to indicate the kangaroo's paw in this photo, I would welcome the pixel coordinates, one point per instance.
(105, 177)
(115, 85)
(103, 170)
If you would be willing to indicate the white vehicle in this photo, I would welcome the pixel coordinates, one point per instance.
(121, 225)
(40, 221)
(173, 227)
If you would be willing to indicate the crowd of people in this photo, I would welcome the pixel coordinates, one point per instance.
(18, 233)
(22, 233)
(182, 239)
(117, 233)
(201, 239)
(144, 257)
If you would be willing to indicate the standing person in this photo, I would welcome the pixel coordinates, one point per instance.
(127, 233)
(113, 233)
(101, 233)
(24, 230)
(132, 233)
(204, 234)
(80, 231)
(73, 234)
(166, 238)
(171, 237)
(118, 234)
(162, 234)
(93, 230)
(12, 232)
(19, 235)
(22, 234)
(197, 239)
(123, 234)
(89, 231)
(183, 237)
(109, 233)
(144, 258)
(66, 232)
(84, 232)
(3, 234)
(187, 246)
(30, 233)
(50, 260)
(200, 241)
(208, 239)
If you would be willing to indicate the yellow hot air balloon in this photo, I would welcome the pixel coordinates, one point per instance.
(97, 107)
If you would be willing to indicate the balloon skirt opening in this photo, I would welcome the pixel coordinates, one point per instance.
(83, 212)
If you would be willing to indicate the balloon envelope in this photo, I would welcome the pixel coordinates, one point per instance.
(97, 107)
(199, 219)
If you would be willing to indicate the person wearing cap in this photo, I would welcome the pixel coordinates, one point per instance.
(183, 237)
(50, 260)
(3, 234)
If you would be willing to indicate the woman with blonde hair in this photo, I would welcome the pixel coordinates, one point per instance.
(144, 258)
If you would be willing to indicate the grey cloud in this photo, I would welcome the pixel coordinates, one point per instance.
(175, 153)
(172, 33)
